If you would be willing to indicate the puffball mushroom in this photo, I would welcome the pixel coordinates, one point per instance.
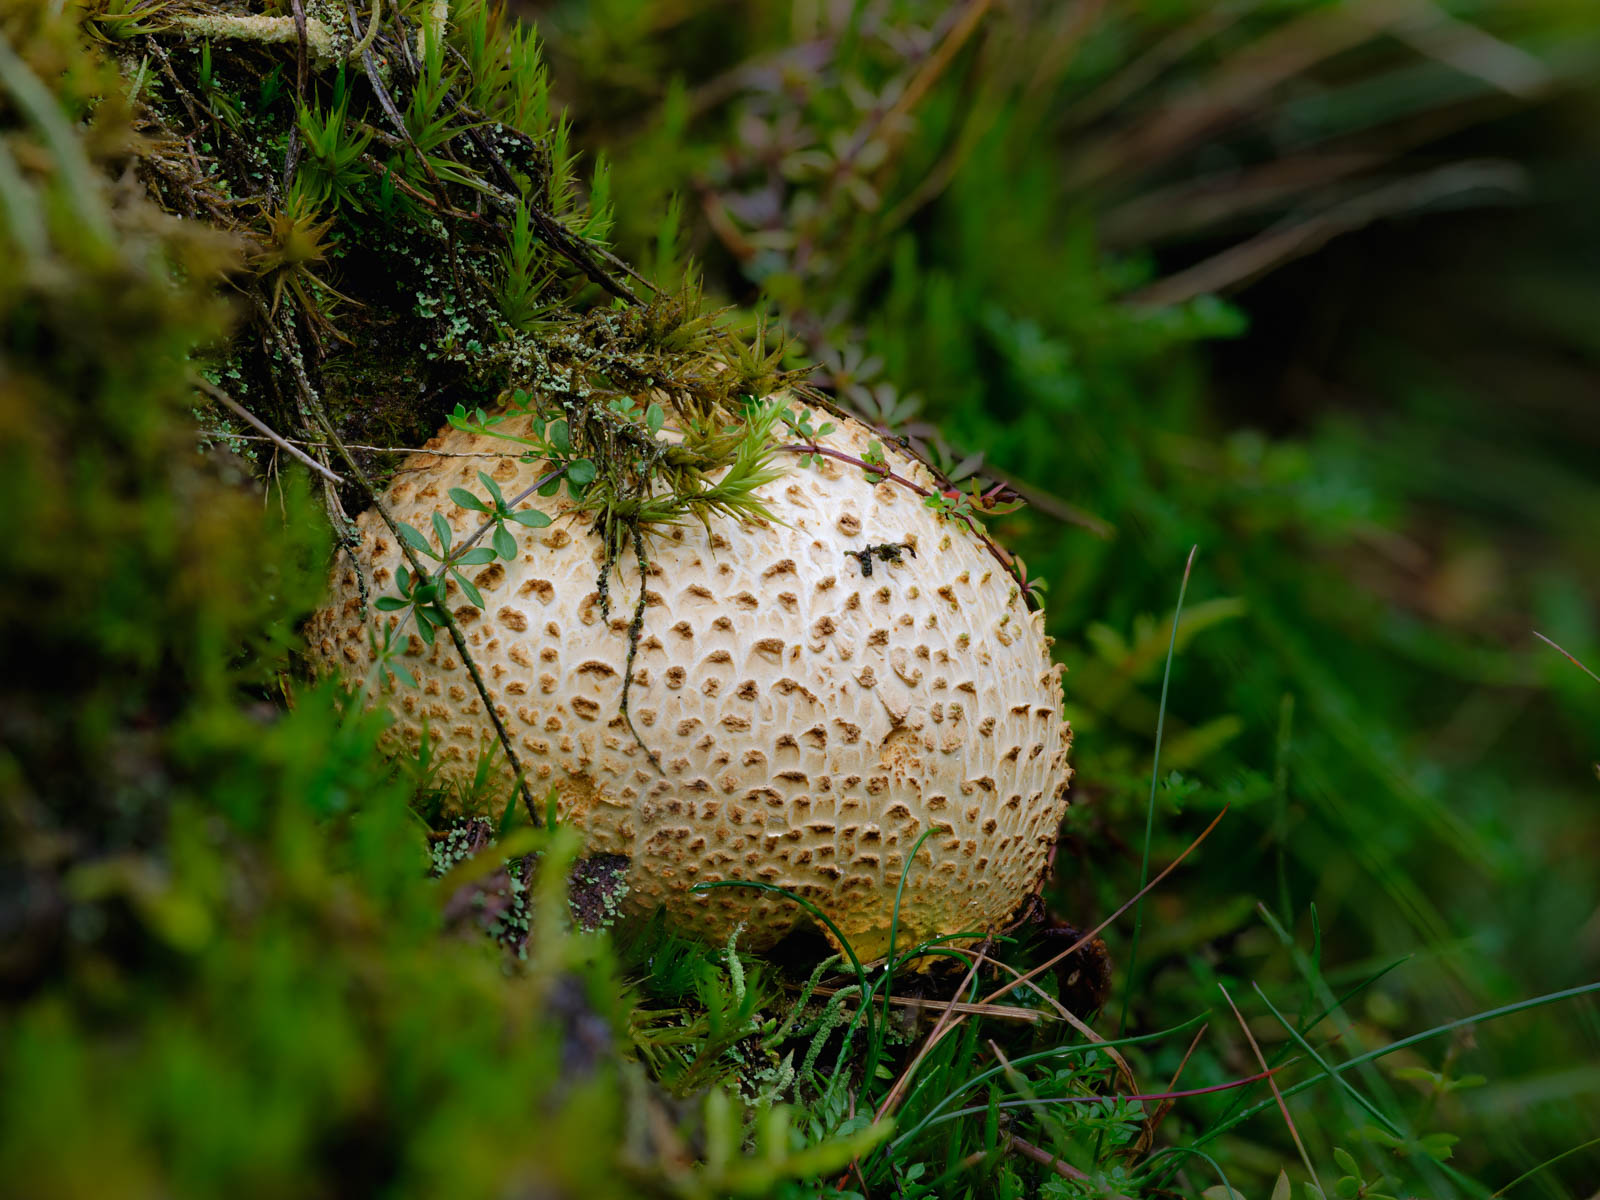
(816, 698)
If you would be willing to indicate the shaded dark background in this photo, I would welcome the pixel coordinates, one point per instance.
(1309, 286)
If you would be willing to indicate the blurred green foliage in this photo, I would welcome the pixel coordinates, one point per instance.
(999, 230)
(225, 968)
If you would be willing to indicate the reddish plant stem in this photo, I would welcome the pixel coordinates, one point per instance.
(885, 475)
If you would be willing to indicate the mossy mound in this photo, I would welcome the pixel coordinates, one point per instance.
(223, 968)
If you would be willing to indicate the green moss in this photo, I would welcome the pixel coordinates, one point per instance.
(225, 966)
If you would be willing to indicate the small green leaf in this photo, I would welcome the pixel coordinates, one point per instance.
(413, 538)
(475, 557)
(508, 815)
(494, 489)
(551, 487)
(1438, 1146)
(1381, 1137)
(581, 472)
(560, 437)
(441, 529)
(504, 544)
(654, 418)
(1419, 1075)
(403, 578)
(403, 674)
(390, 604)
(1346, 1162)
(532, 518)
(467, 500)
(469, 589)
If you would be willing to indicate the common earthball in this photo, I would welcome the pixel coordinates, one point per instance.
(813, 710)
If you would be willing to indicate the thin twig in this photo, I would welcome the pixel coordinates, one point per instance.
(1005, 1011)
(1049, 503)
(1471, 50)
(244, 414)
(1020, 1084)
(1083, 941)
(965, 25)
(1067, 1015)
(1248, 260)
(1166, 1106)
(456, 635)
(313, 402)
(1567, 656)
(897, 1092)
(947, 1024)
(461, 547)
(440, 206)
(563, 240)
(1045, 1159)
(392, 111)
(885, 475)
(1277, 1094)
(291, 155)
(248, 437)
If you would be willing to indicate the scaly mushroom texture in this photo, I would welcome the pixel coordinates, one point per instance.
(816, 700)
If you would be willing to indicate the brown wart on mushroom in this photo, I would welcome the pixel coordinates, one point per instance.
(812, 717)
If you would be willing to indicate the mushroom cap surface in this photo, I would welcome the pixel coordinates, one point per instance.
(811, 720)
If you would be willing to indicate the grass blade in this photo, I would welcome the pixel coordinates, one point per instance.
(1300, 1040)
(1505, 1010)
(1150, 808)
(1277, 1093)
(1549, 1162)
(1569, 657)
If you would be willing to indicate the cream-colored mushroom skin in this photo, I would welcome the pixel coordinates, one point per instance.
(811, 721)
